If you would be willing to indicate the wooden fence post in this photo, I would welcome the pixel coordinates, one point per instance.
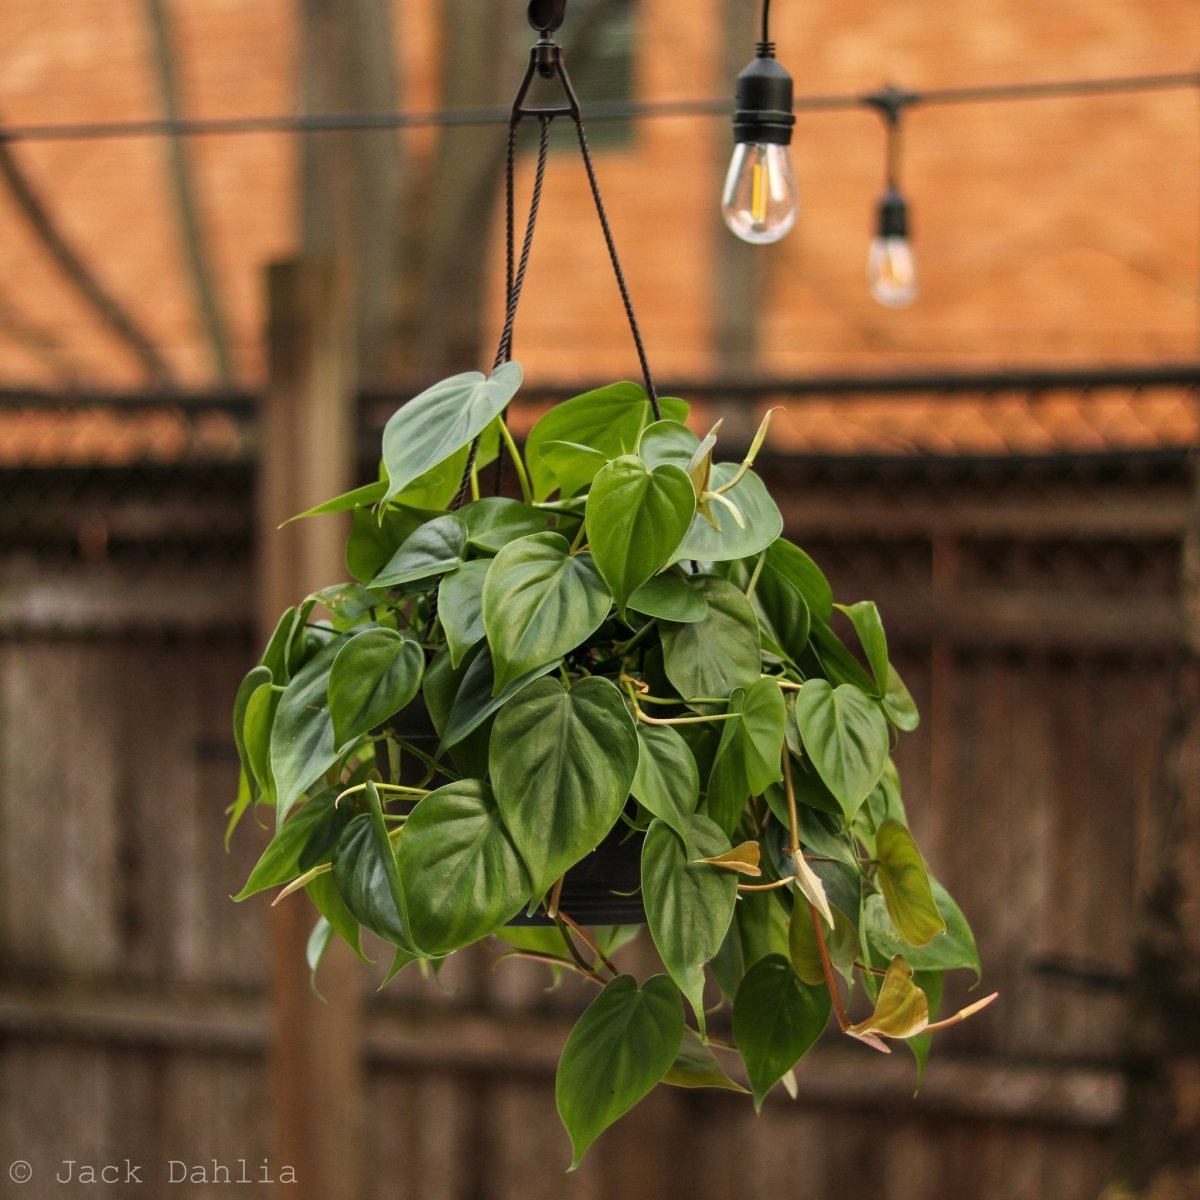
(306, 455)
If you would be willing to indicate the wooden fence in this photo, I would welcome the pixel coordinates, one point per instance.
(1031, 610)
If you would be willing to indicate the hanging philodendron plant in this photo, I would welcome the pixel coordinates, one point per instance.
(629, 657)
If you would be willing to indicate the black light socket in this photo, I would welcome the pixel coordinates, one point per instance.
(893, 215)
(763, 110)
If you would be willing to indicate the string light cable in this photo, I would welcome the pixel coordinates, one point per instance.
(598, 111)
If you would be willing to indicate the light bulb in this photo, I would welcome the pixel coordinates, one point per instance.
(760, 200)
(891, 272)
(891, 269)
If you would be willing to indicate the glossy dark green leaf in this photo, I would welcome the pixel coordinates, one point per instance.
(713, 656)
(791, 563)
(836, 663)
(441, 420)
(562, 764)
(696, 1066)
(373, 676)
(782, 612)
(670, 596)
(636, 516)
(841, 941)
(255, 678)
(905, 885)
(373, 540)
(327, 900)
(665, 442)
(435, 548)
(864, 616)
(460, 608)
(667, 781)
(474, 702)
(315, 823)
(494, 521)
(622, 1046)
(257, 724)
(302, 740)
(609, 420)
(460, 870)
(749, 755)
(946, 951)
(437, 487)
(761, 521)
(689, 904)
(846, 737)
(776, 1020)
(360, 871)
(275, 655)
(930, 982)
(539, 601)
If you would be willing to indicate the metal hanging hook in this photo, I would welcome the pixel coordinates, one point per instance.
(547, 15)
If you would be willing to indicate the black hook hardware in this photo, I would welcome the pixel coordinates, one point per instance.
(547, 15)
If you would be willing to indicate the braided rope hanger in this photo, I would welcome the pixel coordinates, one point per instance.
(546, 62)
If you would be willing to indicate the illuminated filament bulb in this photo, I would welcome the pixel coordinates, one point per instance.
(760, 199)
(891, 269)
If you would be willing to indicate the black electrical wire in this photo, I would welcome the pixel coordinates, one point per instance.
(601, 111)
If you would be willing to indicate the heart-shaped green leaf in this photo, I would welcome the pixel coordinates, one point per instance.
(749, 755)
(635, 517)
(572, 465)
(539, 601)
(905, 885)
(776, 1020)
(562, 763)
(257, 724)
(864, 616)
(609, 420)
(442, 419)
(945, 952)
(713, 656)
(374, 675)
(255, 678)
(436, 547)
(667, 442)
(494, 521)
(898, 703)
(460, 871)
(373, 540)
(846, 737)
(361, 873)
(696, 1066)
(667, 782)
(315, 826)
(460, 608)
(303, 746)
(791, 563)
(670, 596)
(760, 524)
(689, 904)
(620, 1048)
(474, 703)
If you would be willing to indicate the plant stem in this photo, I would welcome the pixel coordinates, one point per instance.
(962, 1014)
(577, 544)
(589, 943)
(827, 969)
(793, 816)
(758, 570)
(553, 960)
(569, 941)
(518, 465)
(765, 887)
(399, 788)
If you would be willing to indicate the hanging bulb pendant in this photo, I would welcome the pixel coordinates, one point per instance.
(760, 199)
(891, 268)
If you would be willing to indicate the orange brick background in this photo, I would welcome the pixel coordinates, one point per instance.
(1047, 230)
